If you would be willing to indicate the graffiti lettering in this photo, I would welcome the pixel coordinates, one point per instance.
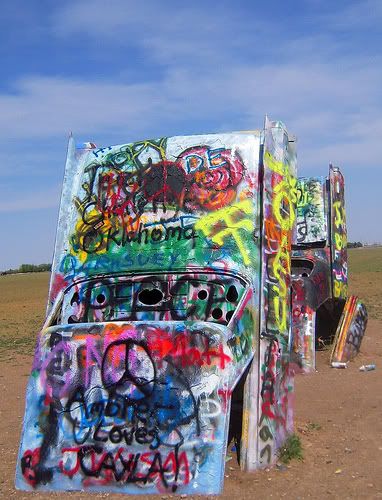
(172, 470)
(206, 297)
(229, 222)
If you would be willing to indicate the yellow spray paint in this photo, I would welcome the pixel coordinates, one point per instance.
(229, 222)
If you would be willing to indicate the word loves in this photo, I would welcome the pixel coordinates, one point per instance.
(98, 466)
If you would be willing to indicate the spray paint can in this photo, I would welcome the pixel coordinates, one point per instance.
(367, 368)
(339, 364)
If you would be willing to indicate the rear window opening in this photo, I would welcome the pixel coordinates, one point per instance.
(150, 297)
(301, 268)
(160, 297)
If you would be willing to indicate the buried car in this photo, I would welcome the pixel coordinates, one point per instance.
(170, 323)
(322, 310)
(169, 300)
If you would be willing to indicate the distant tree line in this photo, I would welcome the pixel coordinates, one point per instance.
(29, 268)
(355, 244)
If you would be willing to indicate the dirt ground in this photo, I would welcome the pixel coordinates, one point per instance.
(337, 412)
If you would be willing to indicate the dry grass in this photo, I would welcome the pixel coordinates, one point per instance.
(365, 278)
(22, 311)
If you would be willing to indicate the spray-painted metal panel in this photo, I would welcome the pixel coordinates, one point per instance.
(319, 269)
(311, 216)
(311, 287)
(319, 242)
(304, 338)
(137, 407)
(161, 236)
(159, 204)
(270, 371)
(311, 269)
(338, 234)
(350, 331)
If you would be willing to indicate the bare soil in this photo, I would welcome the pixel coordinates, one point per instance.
(338, 413)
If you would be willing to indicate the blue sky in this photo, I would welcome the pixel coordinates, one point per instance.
(116, 71)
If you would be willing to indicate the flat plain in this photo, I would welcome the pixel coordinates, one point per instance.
(338, 413)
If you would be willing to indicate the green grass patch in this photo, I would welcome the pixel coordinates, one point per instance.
(363, 260)
(365, 268)
(23, 300)
(291, 449)
(313, 426)
(21, 345)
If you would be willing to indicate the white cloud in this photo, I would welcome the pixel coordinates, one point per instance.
(169, 32)
(329, 110)
(207, 76)
(204, 34)
(50, 106)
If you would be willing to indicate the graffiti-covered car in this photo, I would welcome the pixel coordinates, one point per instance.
(169, 298)
(322, 310)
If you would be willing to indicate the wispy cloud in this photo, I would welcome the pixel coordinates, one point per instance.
(213, 68)
(326, 107)
(50, 106)
(169, 32)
